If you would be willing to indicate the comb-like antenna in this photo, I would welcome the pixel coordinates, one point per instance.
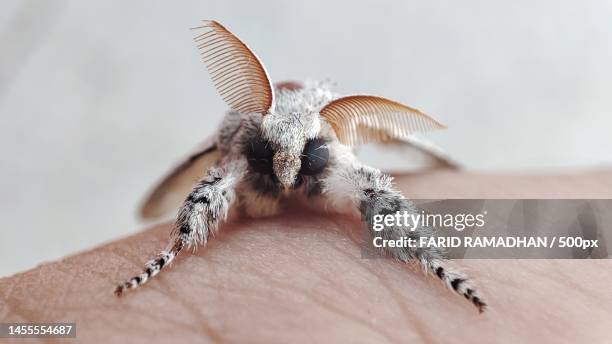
(361, 119)
(236, 72)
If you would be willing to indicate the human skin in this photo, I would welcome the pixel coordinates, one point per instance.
(299, 277)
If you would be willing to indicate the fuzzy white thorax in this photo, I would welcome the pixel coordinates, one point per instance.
(295, 117)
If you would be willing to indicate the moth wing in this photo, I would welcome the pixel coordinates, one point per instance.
(289, 85)
(172, 189)
(422, 152)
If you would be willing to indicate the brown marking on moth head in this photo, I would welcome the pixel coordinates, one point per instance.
(286, 168)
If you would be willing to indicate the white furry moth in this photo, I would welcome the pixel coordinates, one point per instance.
(282, 140)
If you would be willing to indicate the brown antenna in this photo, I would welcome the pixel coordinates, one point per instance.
(236, 72)
(360, 119)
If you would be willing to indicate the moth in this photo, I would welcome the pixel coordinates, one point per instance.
(290, 140)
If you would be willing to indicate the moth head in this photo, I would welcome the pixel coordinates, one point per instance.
(287, 167)
(297, 148)
(288, 144)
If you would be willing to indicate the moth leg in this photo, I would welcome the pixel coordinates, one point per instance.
(370, 192)
(202, 211)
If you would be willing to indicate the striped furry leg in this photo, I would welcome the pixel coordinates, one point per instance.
(456, 281)
(152, 268)
(373, 194)
(202, 211)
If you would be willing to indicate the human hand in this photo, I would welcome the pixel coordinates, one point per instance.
(299, 277)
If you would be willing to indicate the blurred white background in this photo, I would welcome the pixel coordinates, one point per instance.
(98, 99)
